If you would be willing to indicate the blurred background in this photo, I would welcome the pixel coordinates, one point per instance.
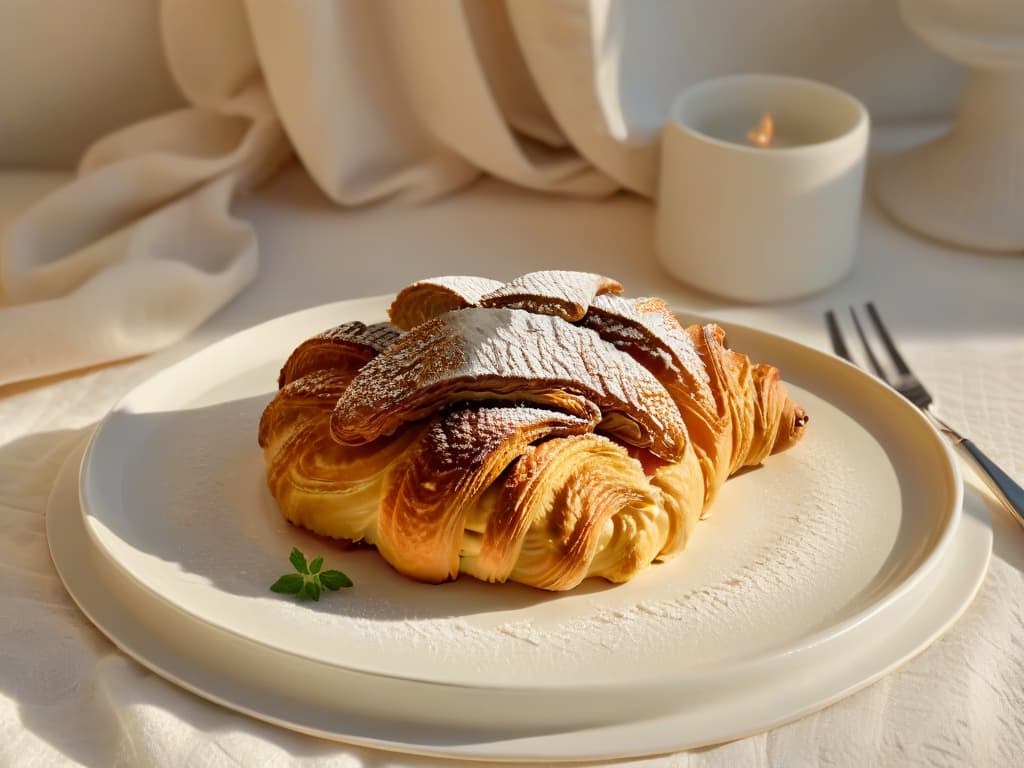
(68, 76)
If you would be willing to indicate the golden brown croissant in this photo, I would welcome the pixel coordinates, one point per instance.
(540, 431)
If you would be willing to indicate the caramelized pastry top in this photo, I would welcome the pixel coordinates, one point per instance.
(481, 354)
(349, 346)
(543, 430)
(427, 299)
(564, 294)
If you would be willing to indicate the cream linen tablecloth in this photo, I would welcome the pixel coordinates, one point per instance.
(67, 696)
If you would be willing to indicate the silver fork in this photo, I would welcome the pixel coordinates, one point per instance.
(908, 385)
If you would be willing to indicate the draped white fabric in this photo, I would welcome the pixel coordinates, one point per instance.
(388, 99)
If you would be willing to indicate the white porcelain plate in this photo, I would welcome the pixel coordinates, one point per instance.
(299, 695)
(819, 544)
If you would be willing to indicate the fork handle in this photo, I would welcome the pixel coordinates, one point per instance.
(1001, 484)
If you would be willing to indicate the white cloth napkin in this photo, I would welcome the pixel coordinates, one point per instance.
(142, 247)
(384, 99)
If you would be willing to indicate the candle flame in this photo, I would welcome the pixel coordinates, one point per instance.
(761, 134)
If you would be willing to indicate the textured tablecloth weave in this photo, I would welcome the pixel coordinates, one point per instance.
(67, 696)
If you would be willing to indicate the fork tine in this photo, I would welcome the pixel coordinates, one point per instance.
(890, 345)
(838, 344)
(867, 347)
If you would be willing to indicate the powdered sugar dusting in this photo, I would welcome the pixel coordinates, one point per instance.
(465, 437)
(427, 299)
(511, 355)
(348, 345)
(378, 336)
(469, 288)
(648, 321)
(552, 292)
(324, 384)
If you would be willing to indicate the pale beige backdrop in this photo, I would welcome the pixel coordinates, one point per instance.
(72, 70)
(184, 106)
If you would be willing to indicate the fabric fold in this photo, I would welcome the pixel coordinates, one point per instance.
(141, 248)
(453, 99)
(383, 100)
(571, 87)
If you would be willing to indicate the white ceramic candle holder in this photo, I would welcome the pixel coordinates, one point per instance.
(761, 224)
(967, 187)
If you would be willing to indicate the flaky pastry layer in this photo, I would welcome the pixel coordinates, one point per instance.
(543, 431)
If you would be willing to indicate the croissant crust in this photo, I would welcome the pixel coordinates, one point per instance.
(543, 431)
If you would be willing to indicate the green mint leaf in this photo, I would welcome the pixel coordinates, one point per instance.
(312, 589)
(334, 580)
(309, 581)
(298, 560)
(289, 584)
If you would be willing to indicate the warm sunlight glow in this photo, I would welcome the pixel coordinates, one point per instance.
(761, 134)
